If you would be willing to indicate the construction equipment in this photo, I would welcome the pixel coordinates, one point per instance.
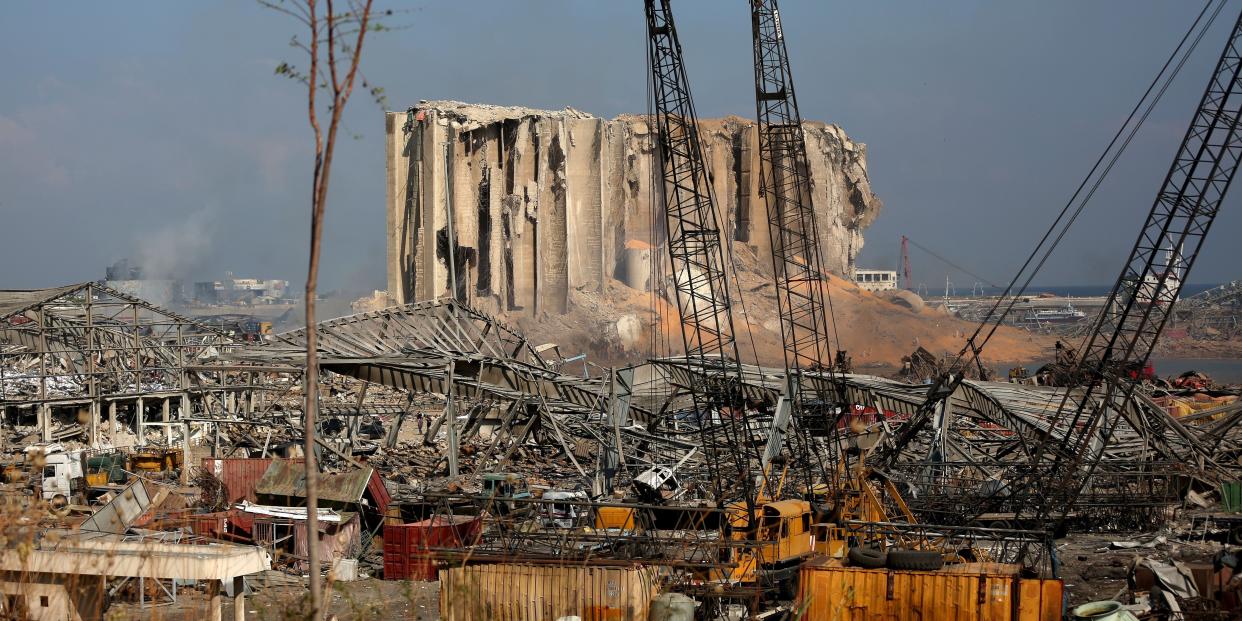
(1141, 300)
(754, 516)
(1047, 469)
(813, 393)
(697, 258)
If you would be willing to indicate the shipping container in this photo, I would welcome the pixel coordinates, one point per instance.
(515, 592)
(407, 547)
(961, 592)
(240, 475)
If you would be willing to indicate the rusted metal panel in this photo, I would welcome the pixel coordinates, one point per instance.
(982, 592)
(287, 480)
(515, 592)
(240, 475)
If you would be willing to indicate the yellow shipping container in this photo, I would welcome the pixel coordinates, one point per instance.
(964, 592)
(515, 592)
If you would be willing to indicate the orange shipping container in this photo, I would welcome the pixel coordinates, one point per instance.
(965, 592)
(514, 592)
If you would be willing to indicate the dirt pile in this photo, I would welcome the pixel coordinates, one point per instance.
(619, 324)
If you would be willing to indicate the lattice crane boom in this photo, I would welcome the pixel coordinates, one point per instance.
(1139, 305)
(786, 189)
(697, 258)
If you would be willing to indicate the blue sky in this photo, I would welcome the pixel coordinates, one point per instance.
(157, 130)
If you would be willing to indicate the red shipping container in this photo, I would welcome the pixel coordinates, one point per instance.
(239, 474)
(406, 546)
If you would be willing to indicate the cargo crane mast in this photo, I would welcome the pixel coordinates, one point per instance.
(1124, 335)
(815, 397)
(786, 189)
(698, 264)
(1138, 306)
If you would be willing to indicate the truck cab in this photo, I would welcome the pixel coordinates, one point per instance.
(782, 540)
(61, 471)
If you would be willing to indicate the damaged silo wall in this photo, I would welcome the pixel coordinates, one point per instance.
(517, 206)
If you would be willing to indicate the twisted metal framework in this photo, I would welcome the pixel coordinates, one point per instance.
(800, 288)
(695, 248)
(786, 190)
(1143, 295)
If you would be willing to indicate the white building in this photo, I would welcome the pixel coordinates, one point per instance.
(876, 280)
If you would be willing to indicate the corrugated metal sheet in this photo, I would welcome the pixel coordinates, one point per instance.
(512, 592)
(974, 592)
(240, 475)
(287, 480)
(406, 546)
(120, 512)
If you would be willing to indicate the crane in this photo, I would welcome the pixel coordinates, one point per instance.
(697, 259)
(1058, 464)
(1141, 299)
(814, 397)
(786, 189)
(766, 556)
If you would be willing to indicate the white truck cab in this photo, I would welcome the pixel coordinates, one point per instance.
(62, 470)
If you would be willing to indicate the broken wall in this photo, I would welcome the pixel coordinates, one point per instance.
(516, 207)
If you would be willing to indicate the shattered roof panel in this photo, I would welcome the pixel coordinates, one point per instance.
(14, 301)
(288, 479)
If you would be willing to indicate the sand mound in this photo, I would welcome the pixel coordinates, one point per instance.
(617, 324)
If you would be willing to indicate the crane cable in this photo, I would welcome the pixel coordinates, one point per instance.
(952, 264)
(992, 317)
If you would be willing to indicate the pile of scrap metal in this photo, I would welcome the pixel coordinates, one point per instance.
(1214, 314)
(91, 364)
(127, 549)
(262, 501)
(969, 463)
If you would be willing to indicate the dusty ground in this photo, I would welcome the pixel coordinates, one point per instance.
(1093, 569)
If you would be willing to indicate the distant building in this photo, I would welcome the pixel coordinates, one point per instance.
(876, 280)
(130, 279)
(240, 291)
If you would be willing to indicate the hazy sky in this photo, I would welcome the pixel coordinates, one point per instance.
(156, 130)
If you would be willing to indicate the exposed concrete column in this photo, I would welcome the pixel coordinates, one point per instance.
(185, 453)
(230, 402)
(45, 421)
(584, 203)
(431, 275)
(450, 417)
(521, 205)
(398, 205)
(92, 428)
(239, 598)
(139, 423)
(165, 410)
(214, 599)
(112, 422)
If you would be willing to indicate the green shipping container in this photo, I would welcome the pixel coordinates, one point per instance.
(1231, 495)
